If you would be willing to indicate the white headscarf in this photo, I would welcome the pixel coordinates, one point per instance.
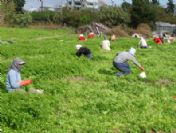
(81, 35)
(132, 51)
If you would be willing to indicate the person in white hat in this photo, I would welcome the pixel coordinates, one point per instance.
(105, 44)
(78, 46)
(81, 37)
(121, 59)
(142, 43)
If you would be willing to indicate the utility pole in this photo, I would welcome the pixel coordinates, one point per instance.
(72, 4)
(41, 5)
(82, 3)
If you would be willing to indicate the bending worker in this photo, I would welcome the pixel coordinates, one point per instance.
(142, 43)
(120, 62)
(80, 50)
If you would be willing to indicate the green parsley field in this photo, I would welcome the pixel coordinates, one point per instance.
(85, 96)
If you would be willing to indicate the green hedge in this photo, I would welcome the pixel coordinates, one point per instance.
(110, 16)
(65, 16)
(21, 20)
(76, 18)
(44, 16)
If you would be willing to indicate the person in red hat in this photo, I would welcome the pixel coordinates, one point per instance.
(81, 37)
(157, 40)
(90, 35)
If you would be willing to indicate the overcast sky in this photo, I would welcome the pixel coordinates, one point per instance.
(55, 3)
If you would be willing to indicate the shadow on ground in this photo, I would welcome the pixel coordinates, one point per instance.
(107, 71)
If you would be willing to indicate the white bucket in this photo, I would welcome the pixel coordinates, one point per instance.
(142, 75)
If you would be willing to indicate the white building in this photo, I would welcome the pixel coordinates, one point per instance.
(165, 27)
(38, 5)
(79, 4)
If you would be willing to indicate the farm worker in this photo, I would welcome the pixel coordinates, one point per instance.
(157, 40)
(13, 81)
(80, 50)
(167, 38)
(81, 37)
(90, 35)
(161, 36)
(105, 45)
(171, 39)
(113, 37)
(120, 62)
(142, 43)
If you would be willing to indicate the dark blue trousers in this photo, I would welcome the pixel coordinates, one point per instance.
(123, 68)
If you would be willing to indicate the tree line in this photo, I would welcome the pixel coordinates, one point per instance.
(130, 14)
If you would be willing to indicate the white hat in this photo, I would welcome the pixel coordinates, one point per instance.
(78, 46)
(132, 51)
(81, 35)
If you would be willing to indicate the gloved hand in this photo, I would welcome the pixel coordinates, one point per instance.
(141, 68)
(25, 82)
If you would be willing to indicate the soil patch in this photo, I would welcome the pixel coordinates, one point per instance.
(46, 37)
(163, 82)
(45, 26)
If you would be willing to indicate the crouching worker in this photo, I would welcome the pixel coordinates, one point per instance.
(120, 62)
(142, 43)
(14, 82)
(157, 40)
(105, 45)
(83, 51)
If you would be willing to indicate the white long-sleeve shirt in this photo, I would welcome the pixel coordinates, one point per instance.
(142, 42)
(105, 45)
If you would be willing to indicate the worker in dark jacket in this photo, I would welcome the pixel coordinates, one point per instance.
(80, 50)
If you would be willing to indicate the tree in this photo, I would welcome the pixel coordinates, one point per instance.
(142, 12)
(155, 2)
(170, 6)
(163, 16)
(113, 16)
(126, 6)
(6, 7)
(19, 5)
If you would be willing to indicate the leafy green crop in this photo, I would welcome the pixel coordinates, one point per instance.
(82, 95)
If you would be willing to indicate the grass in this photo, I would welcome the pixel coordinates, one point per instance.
(85, 95)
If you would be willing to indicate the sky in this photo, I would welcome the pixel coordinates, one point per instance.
(55, 3)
